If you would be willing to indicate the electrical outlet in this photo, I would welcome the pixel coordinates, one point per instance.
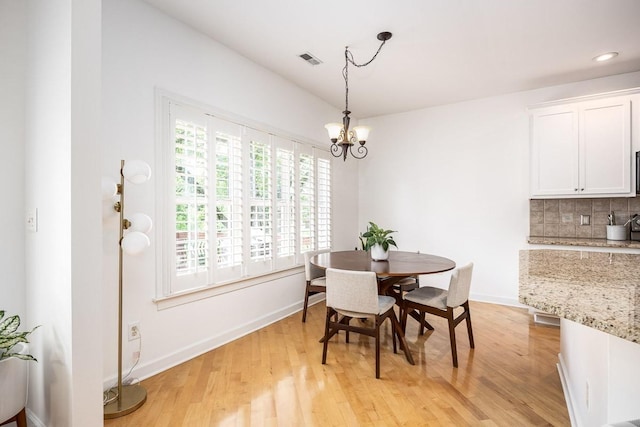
(134, 331)
(585, 219)
(567, 218)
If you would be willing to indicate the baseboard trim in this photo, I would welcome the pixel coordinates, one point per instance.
(33, 420)
(494, 299)
(153, 367)
(564, 379)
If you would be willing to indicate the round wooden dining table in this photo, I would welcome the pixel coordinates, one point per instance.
(400, 264)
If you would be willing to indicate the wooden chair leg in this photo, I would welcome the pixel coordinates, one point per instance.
(403, 316)
(377, 320)
(452, 336)
(469, 329)
(347, 320)
(326, 336)
(306, 304)
(393, 334)
(20, 419)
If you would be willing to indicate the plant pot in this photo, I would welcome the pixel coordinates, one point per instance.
(378, 253)
(14, 376)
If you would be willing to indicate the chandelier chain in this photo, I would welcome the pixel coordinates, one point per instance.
(348, 58)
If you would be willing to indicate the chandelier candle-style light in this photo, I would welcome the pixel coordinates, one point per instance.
(342, 138)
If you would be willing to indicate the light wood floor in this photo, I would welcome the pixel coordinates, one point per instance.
(274, 377)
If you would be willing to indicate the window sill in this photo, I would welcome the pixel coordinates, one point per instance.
(193, 295)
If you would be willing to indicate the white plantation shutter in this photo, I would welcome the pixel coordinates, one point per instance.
(324, 202)
(229, 210)
(285, 200)
(190, 209)
(260, 202)
(307, 192)
(238, 202)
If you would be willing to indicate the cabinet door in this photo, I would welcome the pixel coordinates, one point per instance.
(605, 146)
(554, 151)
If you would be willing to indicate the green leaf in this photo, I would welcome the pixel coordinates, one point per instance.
(9, 341)
(9, 337)
(18, 356)
(9, 325)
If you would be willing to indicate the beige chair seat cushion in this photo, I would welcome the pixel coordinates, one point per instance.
(427, 295)
(385, 304)
(319, 281)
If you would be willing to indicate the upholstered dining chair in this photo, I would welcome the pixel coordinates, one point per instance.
(442, 303)
(354, 294)
(315, 279)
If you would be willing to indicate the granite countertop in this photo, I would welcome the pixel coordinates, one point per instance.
(597, 289)
(573, 241)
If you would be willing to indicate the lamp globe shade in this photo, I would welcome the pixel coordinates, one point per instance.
(333, 129)
(109, 187)
(140, 222)
(362, 132)
(135, 242)
(136, 171)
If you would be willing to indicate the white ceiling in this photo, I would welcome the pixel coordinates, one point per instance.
(442, 51)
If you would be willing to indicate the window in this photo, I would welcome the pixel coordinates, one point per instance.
(239, 202)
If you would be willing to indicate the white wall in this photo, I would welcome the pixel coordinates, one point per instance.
(63, 182)
(13, 43)
(454, 181)
(144, 49)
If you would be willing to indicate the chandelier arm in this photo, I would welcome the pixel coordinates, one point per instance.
(335, 150)
(361, 150)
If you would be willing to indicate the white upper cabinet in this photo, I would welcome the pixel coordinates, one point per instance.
(582, 148)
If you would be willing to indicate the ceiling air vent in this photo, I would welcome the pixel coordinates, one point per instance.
(310, 58)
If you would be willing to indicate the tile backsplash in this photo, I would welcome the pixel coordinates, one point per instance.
(561, 217)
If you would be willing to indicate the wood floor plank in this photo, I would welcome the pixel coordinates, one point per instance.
(274, 377)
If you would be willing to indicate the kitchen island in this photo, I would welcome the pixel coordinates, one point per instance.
(597, 296)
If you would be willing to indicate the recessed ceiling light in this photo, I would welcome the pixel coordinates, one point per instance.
(605, 56)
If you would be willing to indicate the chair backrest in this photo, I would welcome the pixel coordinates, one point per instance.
(459, 285)
(353, 291)
(311, 271)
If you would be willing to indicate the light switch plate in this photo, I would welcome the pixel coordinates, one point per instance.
(31, 219)
(585, 219)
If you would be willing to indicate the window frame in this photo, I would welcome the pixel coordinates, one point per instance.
(273, 268)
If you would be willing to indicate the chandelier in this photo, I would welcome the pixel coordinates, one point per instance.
(342, 138)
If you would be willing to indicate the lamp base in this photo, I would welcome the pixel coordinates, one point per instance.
(133, 397)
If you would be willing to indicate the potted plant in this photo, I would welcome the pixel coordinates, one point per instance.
(10, 337)
(13, 370)
(377, 240)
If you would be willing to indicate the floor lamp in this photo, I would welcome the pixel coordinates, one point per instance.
(128, 397)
